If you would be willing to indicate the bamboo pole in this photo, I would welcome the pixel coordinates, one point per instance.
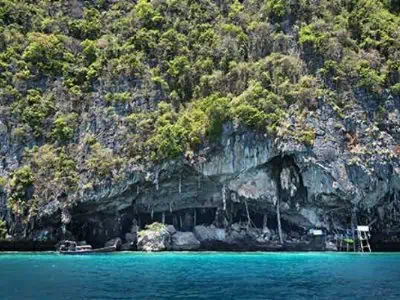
(248, 214)
(278, 216)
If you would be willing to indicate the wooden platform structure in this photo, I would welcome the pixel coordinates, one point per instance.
(352, 242)
(344, 243)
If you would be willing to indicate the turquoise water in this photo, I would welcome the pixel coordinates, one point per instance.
(200, 276)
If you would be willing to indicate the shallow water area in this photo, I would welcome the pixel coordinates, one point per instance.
(209, 275)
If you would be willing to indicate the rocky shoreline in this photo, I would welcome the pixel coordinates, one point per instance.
(159, 237)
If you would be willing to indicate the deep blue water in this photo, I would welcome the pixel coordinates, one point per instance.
(200, 276)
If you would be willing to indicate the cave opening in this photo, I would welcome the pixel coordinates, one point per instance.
(240, 216)
(183, 219)
(95, 230)
(205, 216)
(291, 228)
(144, 219)
(126, 223)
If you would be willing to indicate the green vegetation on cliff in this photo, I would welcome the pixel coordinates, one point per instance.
(166, 75)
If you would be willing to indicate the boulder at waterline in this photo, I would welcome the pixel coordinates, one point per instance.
(171, 229)
(154, 238)
(209, 233)
(128, 246)
(185, 241)
(131, 237)
(117, 242)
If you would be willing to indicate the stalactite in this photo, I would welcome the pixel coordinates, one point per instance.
(180, 184)
(152, 214)
(231, 212)
(137, 190)
(25, 231)
(163, 218)
(170, 207)
(174, 221)
(265, 221)
(180, 222)
(199, 182)
(224, 196)
(156, 180)
(194, 218)
(66, 218)
(135, 227)
(234, 198)
(33, 224)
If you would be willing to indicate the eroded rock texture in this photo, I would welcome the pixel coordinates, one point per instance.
(240, 184)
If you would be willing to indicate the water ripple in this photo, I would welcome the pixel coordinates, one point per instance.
(200, 276)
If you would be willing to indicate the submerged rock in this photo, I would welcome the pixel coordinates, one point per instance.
(185, 241)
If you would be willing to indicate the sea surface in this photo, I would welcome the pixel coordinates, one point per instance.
(200, 276)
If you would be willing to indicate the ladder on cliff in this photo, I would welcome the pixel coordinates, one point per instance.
(363, 232)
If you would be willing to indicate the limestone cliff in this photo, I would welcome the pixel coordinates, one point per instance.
(349, 176)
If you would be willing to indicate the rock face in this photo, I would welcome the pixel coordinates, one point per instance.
(117, 242)
(245, 178)
(128, 246)
(171, 229)
(235, 237)
(209, 233)
(185, 241)
(153, 240)
(330, 246)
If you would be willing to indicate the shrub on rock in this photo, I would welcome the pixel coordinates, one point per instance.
(154, 238)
